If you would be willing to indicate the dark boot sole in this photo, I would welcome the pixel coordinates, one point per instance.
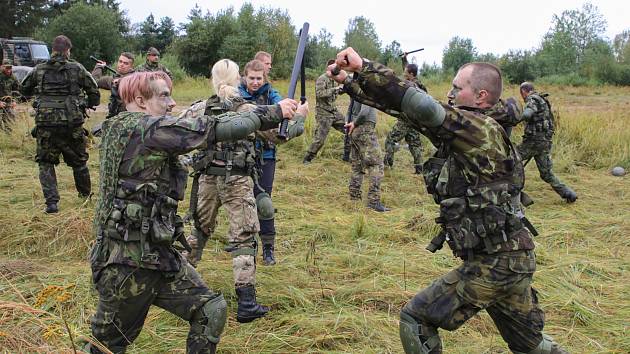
(248, 319)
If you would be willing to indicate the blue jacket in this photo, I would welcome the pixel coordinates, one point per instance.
(265, 95)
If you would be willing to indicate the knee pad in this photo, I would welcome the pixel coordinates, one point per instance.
(210, 319)
(264, 206)
(417, 337)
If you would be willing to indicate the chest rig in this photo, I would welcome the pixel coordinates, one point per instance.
(475, 217)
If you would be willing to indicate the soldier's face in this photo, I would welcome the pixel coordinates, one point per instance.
(7, 70)
(267, 63)
(161, 103)
(254, 80)
(154, 58)
(124, 64)
(407, 75)
(462, 93)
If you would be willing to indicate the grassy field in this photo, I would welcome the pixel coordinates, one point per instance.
(343, 272)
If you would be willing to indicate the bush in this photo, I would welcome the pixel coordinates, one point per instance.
(572, 79)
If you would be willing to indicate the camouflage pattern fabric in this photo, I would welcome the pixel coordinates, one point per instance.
(507, 112)
(540, 126)
(399, 132)
(9, 86)
(59, 86)
(126, 293)
(150, 66)
(540, 151)
(72, 145)
(499, 284)
(366, 158)
(326, 113)
(236, 195)
(476, 156)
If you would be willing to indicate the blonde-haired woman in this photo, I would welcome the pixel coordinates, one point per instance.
(223, 177)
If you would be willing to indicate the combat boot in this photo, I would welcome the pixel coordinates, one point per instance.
(267, 253)
(51, 208)
(308, 158)
(248, 309)
(378, 206)
(418, 169)
(388, 161)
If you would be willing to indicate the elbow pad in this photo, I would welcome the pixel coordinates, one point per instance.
(422, 108)
(236, 127)
(296, 129)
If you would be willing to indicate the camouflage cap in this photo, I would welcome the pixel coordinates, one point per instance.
(7, 62)
(154, 51)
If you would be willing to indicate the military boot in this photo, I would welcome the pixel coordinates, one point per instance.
(51, 208)
(308, 158)
(82, 181)
(267, 254)
(388, 160)
(418, 169)
(248, 309)
(378, 206)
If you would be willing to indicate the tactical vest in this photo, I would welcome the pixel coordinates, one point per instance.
(542, 124)
(137, 211)
(475, 218)
(59, 100)
(226, 159)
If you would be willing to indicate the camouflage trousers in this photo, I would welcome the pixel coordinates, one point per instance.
(325, 120)
(71, 143)
(399, 132)
(540, 151)
(365, 159)
(236, 195)
(500, 284)
(7, 119)
(126, 294)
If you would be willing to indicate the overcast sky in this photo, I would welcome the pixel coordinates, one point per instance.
(494, 26)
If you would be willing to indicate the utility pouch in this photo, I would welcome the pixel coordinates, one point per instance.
(163, 221)
(431, 170)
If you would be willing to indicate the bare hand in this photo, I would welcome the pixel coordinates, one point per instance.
(349, 127)
(339, 77)
(302, 109)
(100, 64)
(2, 104)
(288, 107)
(349, 60)
(13, 104)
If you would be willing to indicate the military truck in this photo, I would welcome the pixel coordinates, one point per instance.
(24, 51)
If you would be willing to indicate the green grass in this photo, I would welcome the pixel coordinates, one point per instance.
(343, 272)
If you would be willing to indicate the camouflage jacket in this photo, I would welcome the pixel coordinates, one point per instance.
(9, 86)
(58, 86)
(539, 121)
(110, 82)
(142, 180)
(507, 112)
(326, 93)
(149, 66)
(417, 83)
(476, 175)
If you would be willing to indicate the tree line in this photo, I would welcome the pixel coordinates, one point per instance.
(573, 51)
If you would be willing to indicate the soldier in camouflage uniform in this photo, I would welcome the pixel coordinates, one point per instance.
(476, 177)
(365, 155)
(9, 88)
(59, 115)
(326, 113)
(223, 174)
(538, 139)
(402, 131)
(134, 262)
(124, 67)
(153, 63)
